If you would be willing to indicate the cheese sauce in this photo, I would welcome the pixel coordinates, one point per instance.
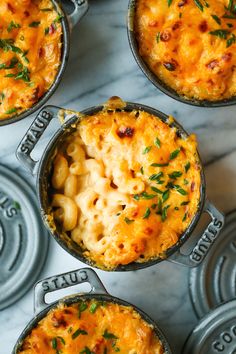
(136, 186)
(92, 327)
(30, 53)
(190, 45)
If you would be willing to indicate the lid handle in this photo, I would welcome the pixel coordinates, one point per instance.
(66, 280)
(205, 242)
(81, 7)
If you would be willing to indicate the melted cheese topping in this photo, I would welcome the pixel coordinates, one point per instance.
(176, 44)
(98, 329)
(125, 186)
(30, 53)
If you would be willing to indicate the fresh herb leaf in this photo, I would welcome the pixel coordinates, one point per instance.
(174, 154)
(156, 176)
(145, 195)
(176, 208)
(181, 191)
(11, 110)
(62, 340)
(34, 24)
(185, 203)
(23, 75)
(82, 307)
(159, 210)
(221, 33)
(165, 195)
(147, 213)
(217, 19)
(160, 164)
(169, 2)
(128, 221)
(86, 350)
(12, 25)
(46, 31)
(153, 206)
(175, 174)
(164, 213)
(78, 332)
(185, 217)
(160, 182)
(187, 167)
(108, 335)
(54, 343)
(199, 4)
(8, 45)
(93, 307)
(58, 18)
(231, 40)
(158, 37)
(141, 170)
(157, 142)
(156, 190)
(136, 197)
(146, 150)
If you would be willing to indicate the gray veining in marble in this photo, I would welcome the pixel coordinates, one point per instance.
(101, 65)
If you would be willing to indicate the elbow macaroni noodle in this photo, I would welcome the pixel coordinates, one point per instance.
(109, 197)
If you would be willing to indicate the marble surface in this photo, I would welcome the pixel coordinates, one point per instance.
(101, 65)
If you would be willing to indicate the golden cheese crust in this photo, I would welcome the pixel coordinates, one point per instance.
(190, 45)
(30, 50)
(92, 327)
(125, 186)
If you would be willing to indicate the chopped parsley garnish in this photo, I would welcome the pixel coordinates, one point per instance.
(8, 45)
(93, 307)
(153, 206)
(128, 221)
(23, 75)
(62, 340)
(174, 154)
(108, 335)
(180, 190)
(199, 4)
(11, 110)
(46, 31)
(165, 195)
(217, 19)
(187, 167)
(156, 190)
(157, 142)
(156, 176)
(160, 164)
(146, 150)
(175, 174)
(58, 18)
(147, 213)
(12, 25)
(54, 343)
(231, 40)
(34, 24)
(78, 332)
(221, 33)
(141, 170)
(82, 307)
(164, 212)
(169, 2)
(185, 217)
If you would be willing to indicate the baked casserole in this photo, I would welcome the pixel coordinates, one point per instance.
(30, 47)
(190, 45)
(125, 186)
(92, 327)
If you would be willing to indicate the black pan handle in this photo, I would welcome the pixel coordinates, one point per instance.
(80, 9)
(35, 132)
(205, 242)
(66, 280)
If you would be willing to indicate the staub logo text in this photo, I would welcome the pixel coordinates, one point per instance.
(205, 242)
(36, 131)
(65, 280)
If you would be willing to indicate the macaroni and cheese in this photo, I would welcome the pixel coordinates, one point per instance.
(189, 45)
(30, 47)
(90, 327)
(125, 186)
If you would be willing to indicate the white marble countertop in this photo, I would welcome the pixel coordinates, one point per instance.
(101, 65)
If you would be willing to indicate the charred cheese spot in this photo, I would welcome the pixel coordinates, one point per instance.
(202, 42)
(130, 180)
(100, 328)
(30, 53)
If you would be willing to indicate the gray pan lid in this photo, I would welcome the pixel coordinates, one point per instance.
(23, 238)
(215, 333)
(214, 281)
